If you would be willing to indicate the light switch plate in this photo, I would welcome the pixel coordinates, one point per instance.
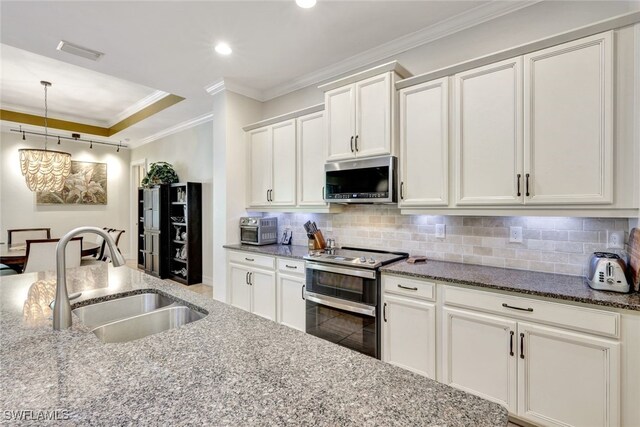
(440, 231)
(615, 239)
(515, 234)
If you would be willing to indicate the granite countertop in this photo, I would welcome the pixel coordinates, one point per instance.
(570, 288)
(287, 251)
(230, 368)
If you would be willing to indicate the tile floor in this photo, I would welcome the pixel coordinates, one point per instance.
(199, 288)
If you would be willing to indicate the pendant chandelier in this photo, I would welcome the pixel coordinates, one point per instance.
(44, 170)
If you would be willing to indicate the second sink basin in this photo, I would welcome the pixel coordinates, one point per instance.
(147, 324)
(101, 313)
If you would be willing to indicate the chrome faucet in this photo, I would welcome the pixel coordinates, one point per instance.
(62, 307)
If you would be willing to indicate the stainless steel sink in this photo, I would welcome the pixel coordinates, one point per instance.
(101, 313)
(143, 325)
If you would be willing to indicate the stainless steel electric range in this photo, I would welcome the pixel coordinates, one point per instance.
(342, 296)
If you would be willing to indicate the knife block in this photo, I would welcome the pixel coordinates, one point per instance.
(318, 241)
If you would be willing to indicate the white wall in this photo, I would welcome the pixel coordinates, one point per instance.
(535, 22)
(231, 112)
(191, 154)
(18, 208)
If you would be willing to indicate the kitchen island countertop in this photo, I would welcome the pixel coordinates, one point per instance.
(230, 368)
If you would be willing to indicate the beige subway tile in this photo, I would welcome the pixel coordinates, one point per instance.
(540, 223)
(570, 269)
(530, 234)
(493, 261)
(568, 223)
(419, 237)
(542, 245)
(454, 239)
(557, 235)
(403, 235)
(438, 256)
(472, 240)
(363, 233)
(575, 247)
(472, 259)
(583, 236)
(547, 267)
(471, 221)
(482, 251)
(528, 254)
(594, 224)
(555, 257)
(504, 252)
(580, 259)
(452, 257)
(375, 219)
(459, 230)
(442, 247)
(493, 222)
(520, 264)
(500, 232)
(388, 219)
(482, 231)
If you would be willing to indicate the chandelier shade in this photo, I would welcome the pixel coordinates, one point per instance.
(44, 170)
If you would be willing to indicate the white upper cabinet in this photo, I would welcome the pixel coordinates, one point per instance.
(273, 165)
(373, 116)
(283, 189)
(568, 110)
(340, 107)
(311, 154)
(361, 113)
(488, 134)
(260, 143)
(424, 144)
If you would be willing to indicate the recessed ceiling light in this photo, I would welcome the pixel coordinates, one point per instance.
(223, 49)
(306, 4)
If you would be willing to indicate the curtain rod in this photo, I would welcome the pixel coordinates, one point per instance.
(69, 138)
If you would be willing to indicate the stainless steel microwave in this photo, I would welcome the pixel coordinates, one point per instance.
(371, 180)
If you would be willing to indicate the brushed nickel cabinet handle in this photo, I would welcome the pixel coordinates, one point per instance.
(505, 305)
(511, 343)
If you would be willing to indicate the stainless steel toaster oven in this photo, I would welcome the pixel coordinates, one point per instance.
(258, 231)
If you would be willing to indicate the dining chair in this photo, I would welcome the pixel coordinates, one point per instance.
(18, 236)
(104, 255)
(41, 254)
(5, 270)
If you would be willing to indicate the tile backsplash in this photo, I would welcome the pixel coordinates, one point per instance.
(550, 244)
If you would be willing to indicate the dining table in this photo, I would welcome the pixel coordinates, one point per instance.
(16, 255)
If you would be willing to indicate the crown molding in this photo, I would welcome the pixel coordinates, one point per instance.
(134, 108)
(226, 84)
(173, 129)
(462, 21)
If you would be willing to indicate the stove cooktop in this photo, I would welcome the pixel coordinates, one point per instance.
(356, 257)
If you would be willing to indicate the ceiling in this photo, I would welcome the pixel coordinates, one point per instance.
(168, 46)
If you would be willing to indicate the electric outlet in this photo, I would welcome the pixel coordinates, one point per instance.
(515, 234)
(615, 239)
(440, 231)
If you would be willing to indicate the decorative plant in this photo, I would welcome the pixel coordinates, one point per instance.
(160, 173)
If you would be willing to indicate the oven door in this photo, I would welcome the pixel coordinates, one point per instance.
(250, 235)
(341, 307)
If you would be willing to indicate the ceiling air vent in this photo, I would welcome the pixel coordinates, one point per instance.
(84, 52)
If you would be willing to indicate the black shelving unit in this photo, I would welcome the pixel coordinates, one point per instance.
(185, 246)
(153, 230)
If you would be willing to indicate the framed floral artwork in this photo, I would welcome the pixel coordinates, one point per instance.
(85, 185)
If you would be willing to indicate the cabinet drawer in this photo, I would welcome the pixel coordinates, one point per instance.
(286, 265)
(252, 259)
(567, 316)
(409, 287)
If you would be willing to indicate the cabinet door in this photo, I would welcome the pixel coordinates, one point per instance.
(263, 293)
(566, 378)
(568, 122)
(340, 109)
(424, 144)
(155, 206)
(373, 116)
(260, 166)
(283, 190)
(488, 134)
(291, 304)
(479, 355)
(240, 288)
(311, 158)
(409, 334)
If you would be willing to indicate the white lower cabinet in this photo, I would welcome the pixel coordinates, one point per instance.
(291, 303)
(409, 334)
(547, 375)
(566, 378)
(479, 355)
(253, 290)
